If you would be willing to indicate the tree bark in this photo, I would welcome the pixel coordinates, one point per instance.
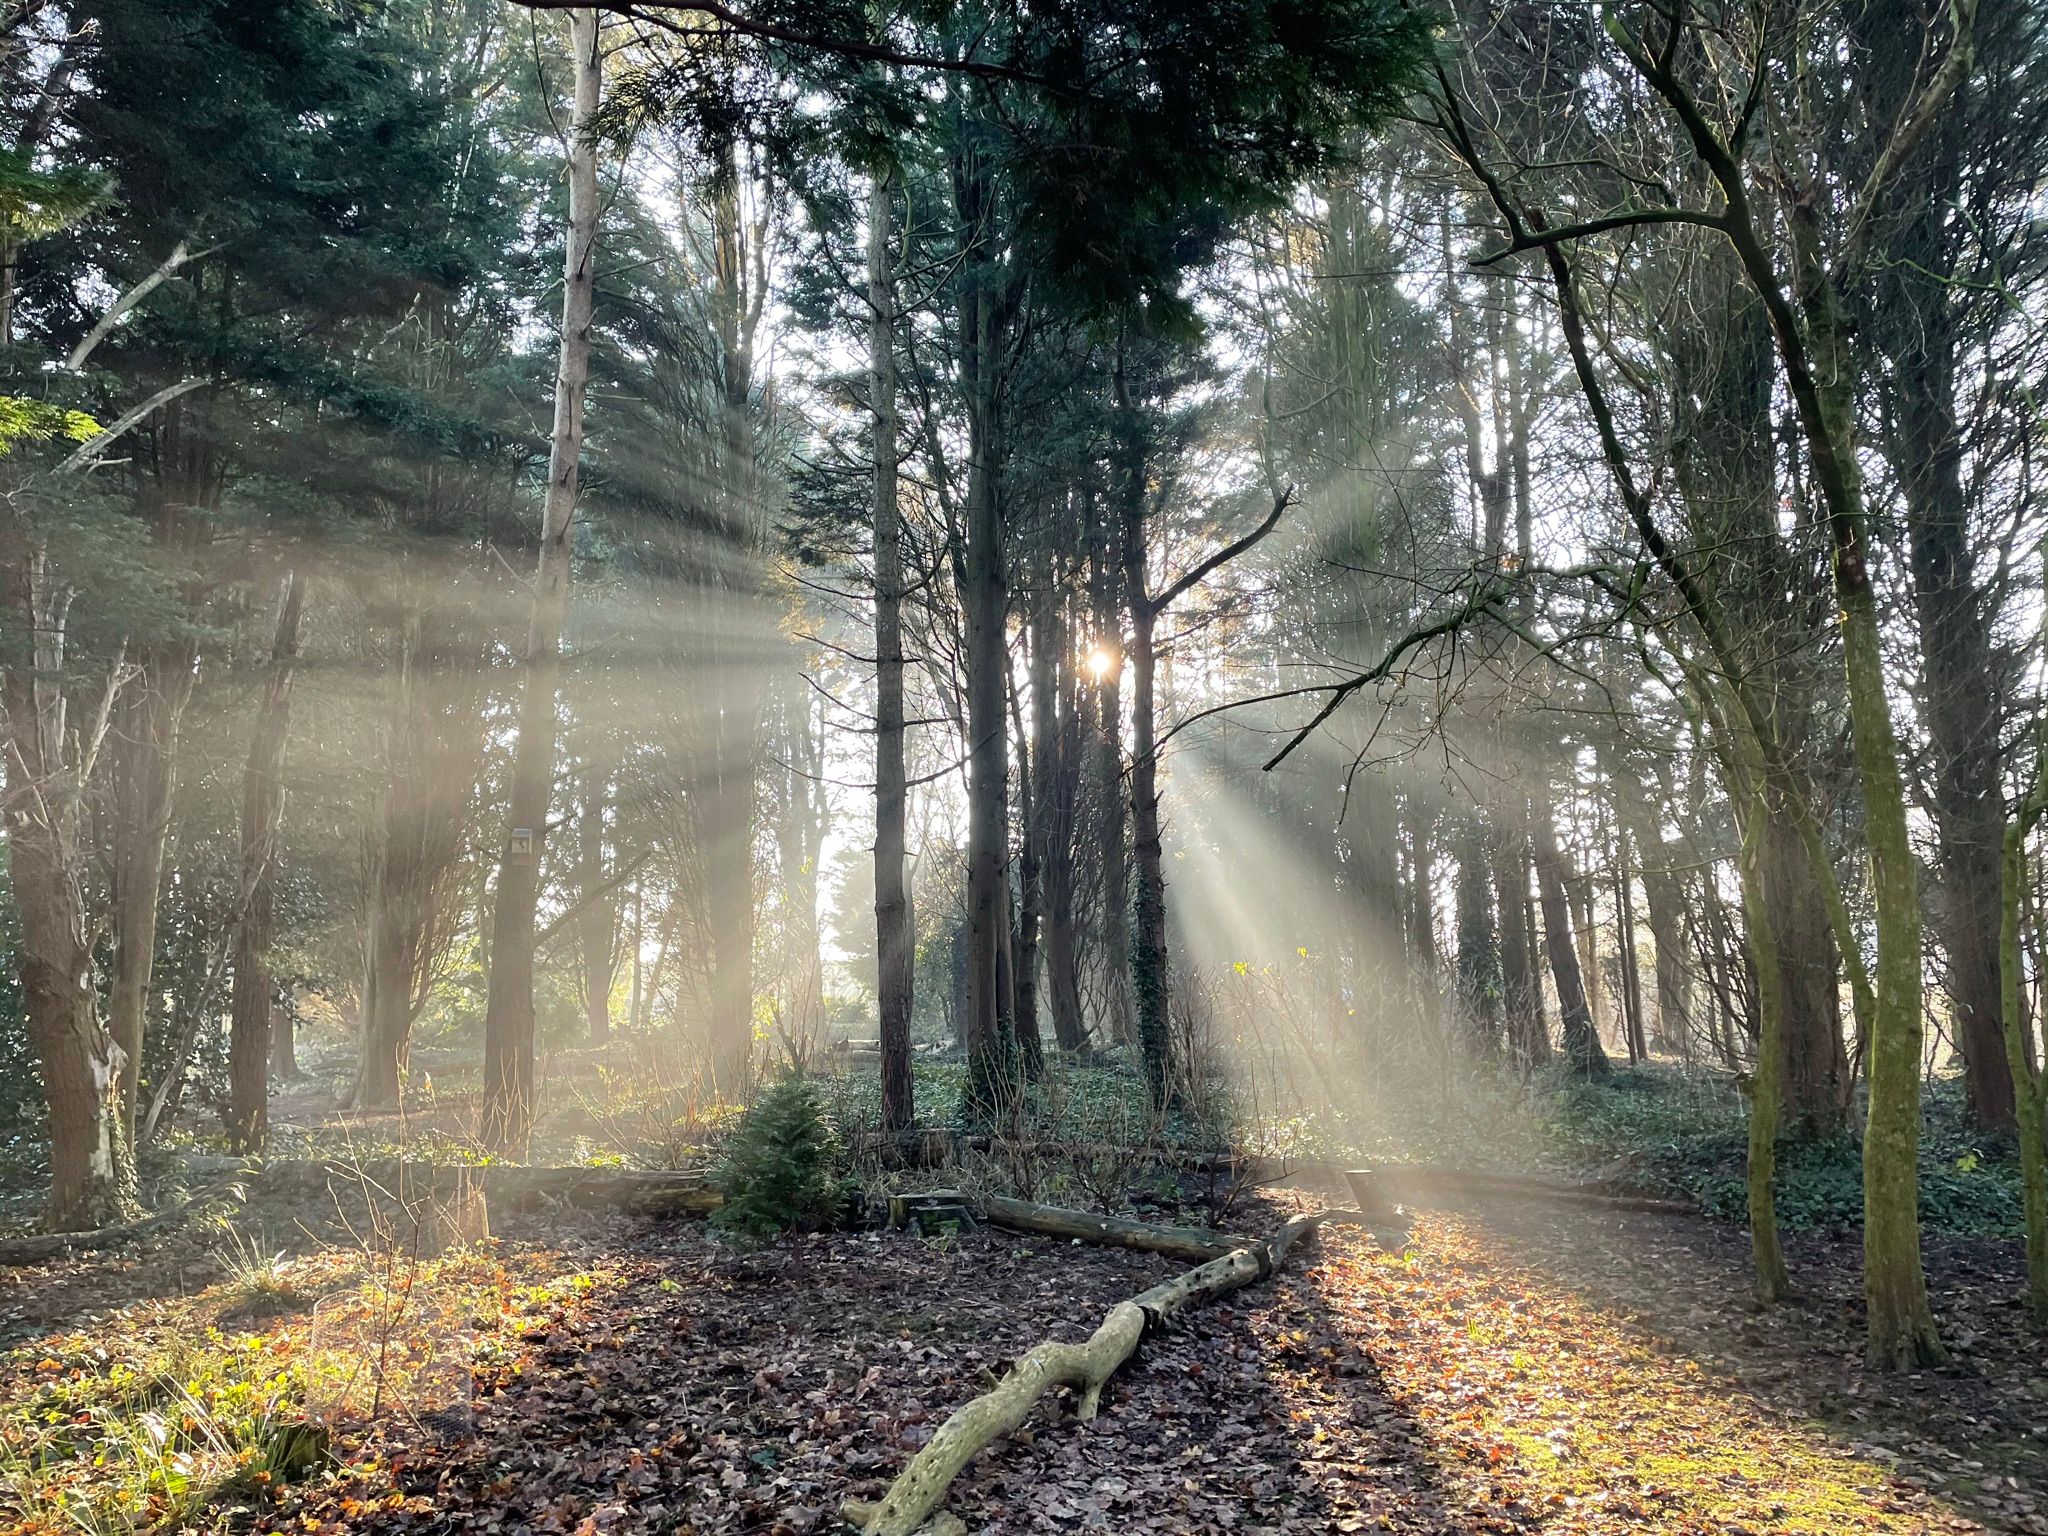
(284, 1046)
(1767, 1256)
(47, 764)
(2031, 1103)
(731, 792)
(1962, 705)
(1582, 1048)
(508, 1106)
(145, 758)
(1816, 1068)
(387, 1007)
(418, 835)
(598, 923)
(1030, 882)
(1110, 803)
(1664, 909)
(1479, 968)
(1148, 936)
(251, 1002)
(1922, 319)
(986, 1030)
(895, 921)
(1625, 953)
(1056, 762)
(1521, 990)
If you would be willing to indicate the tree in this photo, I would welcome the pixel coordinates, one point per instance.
(508, 1021)
(1804, 291)
(895, 923)
(262, 807)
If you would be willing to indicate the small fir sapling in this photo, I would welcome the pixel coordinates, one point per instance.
(776, 1175)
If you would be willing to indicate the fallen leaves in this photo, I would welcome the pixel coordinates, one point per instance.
(1568, 1374)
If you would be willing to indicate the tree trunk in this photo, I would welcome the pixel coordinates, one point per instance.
(418, 835)
(598, 922)
(635, 1005)
(895, 922)
(1148, 938)
(1822, 377)
(1521, 989)
(1962, 710)
(1580, 888)
(1424, 957)
(1030, 891)
(47, 763)
(727, 827)
(145, 782)
(1767, 1257)
(1478, 950)
(1108, 799)
(984, 597)
(508, 1106)
(284, 1046)
(387, 1011)
(262, 806)
(1664, 909)
(1056, 759)
(736, 651)
(2031, 1103)
(799, 838)
(1582, 1048)
(1816, 1069)
(1625, 953)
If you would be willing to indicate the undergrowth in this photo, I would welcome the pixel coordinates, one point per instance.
(1654, 1130)
(1669, 1136)
(191, 1413)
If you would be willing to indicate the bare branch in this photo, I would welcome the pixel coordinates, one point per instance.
(1629, 218)
(753, 26)
(90, 450)
(1222, 557)
(179, 257)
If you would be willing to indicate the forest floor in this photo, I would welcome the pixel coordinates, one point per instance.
(1506, 1369)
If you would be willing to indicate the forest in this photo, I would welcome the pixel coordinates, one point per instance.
(1023, 766)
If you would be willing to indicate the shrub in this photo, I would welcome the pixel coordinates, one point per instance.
(776, 1174)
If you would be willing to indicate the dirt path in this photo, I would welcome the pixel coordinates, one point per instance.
(1509, 1371)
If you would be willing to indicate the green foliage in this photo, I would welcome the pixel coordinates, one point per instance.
(1101, 1100)
(23, 420)
(1193, 117)
(776, 1175)
(166, 1430)
(1688, 1139)
(35, 203)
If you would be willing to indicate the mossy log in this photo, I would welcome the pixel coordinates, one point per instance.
(1191, 1243)
(37, 1247)
(912, 1503)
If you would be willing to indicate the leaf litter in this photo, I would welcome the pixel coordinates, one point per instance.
(1503, 1370)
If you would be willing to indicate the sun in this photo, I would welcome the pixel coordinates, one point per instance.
(1101, 662)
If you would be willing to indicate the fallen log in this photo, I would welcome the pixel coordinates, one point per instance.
(39, 1246)
(1421, 1184)
(1192, 1243)
(647, 1192)
(1415, 1184)
(939, 1147)
(912, 1503)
